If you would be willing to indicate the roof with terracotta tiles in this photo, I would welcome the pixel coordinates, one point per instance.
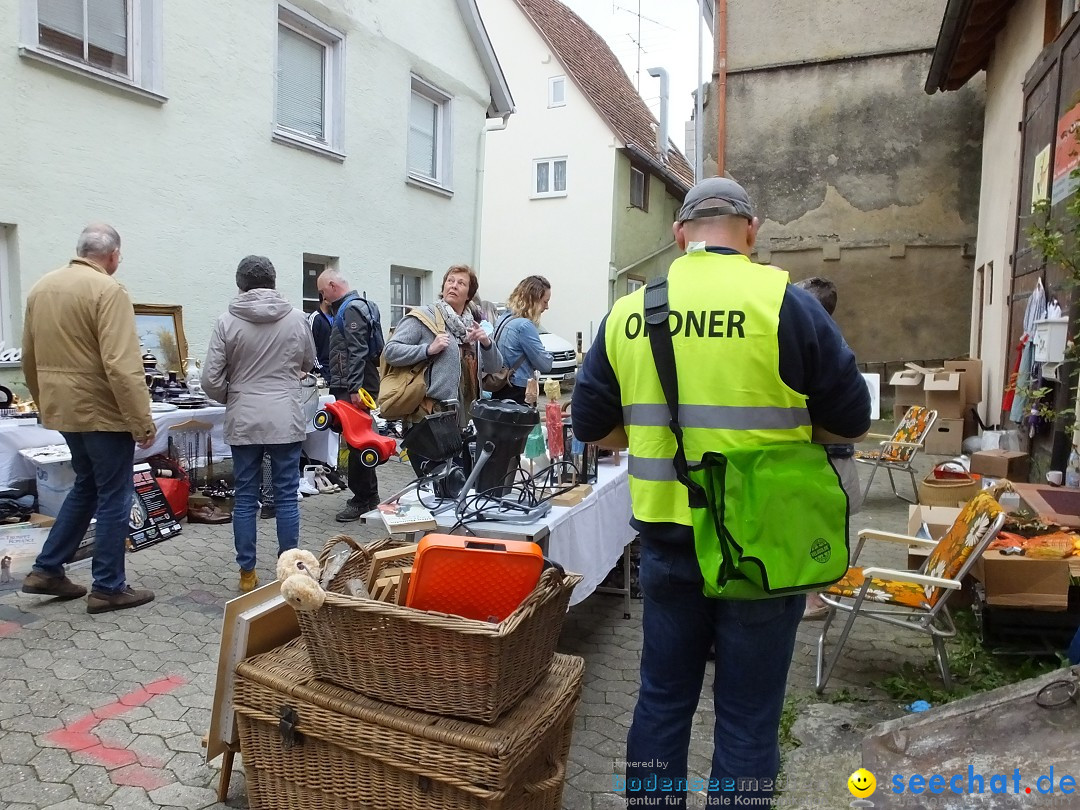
(600, 76)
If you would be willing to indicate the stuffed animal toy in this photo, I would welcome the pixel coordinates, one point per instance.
(303, 592)
(297, 561)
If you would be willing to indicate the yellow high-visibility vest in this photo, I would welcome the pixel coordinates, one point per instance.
(725, 313)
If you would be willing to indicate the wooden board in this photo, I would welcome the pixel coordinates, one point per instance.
(1040, 496)
(254, 623)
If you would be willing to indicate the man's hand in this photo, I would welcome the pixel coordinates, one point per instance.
(438, 345)
(477, 334)
(148, 440)
(354, 398)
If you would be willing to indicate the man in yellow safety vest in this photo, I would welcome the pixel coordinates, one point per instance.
(759, 363)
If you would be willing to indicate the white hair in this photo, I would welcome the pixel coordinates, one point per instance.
(98, 240)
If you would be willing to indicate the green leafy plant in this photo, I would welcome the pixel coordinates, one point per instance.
(974, 669)
(790, 713)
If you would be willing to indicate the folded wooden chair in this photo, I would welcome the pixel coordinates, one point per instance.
(899, 450)
(913, 600)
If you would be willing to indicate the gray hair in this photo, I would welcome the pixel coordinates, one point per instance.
(255, 272)
(97, 241)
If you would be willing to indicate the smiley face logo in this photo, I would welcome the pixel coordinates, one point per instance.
(862, 784)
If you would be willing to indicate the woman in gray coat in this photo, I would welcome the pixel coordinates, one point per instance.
(258, 352)
(457, 356)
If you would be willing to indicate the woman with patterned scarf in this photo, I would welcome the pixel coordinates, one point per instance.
(458, 355)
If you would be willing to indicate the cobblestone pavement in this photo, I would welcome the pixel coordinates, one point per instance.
(110, 710)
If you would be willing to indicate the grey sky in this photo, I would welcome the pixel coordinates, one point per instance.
(668, 35)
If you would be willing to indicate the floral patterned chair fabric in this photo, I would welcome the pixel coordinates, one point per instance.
(899, 450)
(916, 600)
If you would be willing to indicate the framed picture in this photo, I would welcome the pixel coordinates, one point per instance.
(160, 328)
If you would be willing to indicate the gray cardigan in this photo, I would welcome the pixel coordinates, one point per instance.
(408, 346)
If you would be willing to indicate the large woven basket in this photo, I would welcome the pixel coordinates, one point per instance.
(429, 661)
(309, 745)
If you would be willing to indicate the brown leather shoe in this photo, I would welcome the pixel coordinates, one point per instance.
(99, 602)
(208, 514)
(60, 587)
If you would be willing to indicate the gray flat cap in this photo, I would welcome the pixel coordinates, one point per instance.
(715, 197)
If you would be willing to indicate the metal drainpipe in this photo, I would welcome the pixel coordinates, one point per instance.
(720, 80)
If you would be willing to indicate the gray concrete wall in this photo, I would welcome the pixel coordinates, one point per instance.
(847, 158)
(798, 30)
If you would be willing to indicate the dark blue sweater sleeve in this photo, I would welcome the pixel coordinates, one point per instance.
(596, 404)
(816, 361)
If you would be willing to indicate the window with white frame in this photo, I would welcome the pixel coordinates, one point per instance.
(6, 332)
(310, 82)
(549, 177)
(634, 283)
(557, 91)
(406, 291)
(639, 189)
(118, 41)
(313, 267)
(429, 134)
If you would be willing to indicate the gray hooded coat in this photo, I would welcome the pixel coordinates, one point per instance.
(258, 352)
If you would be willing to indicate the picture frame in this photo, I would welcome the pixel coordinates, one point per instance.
(160, 328)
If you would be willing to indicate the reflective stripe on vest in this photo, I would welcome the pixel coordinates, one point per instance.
(725, 313)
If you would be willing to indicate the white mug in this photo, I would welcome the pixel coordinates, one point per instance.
(1054, 478)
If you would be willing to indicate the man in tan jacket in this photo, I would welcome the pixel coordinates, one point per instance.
(84, 369)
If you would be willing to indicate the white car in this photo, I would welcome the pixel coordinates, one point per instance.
(564, 357)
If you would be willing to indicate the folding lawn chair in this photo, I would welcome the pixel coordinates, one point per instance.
(899, 450)
(912, 600)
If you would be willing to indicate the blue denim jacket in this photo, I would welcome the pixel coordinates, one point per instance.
(519, 341)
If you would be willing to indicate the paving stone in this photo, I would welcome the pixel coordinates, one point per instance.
(187, 796)
(53, 765)
(17, 748)
(39, 794)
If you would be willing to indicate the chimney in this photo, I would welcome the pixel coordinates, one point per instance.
(662, 136)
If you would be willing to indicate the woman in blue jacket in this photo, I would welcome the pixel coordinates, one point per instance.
(518, 337)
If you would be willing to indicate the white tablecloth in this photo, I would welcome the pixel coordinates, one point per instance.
(16, 434)
(587, 539)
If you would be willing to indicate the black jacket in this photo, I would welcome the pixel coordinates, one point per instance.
(351, 364)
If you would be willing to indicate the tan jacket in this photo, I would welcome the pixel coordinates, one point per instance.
(80, 353)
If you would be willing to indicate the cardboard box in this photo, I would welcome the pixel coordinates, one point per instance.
(945, 394)
(1011, 464)
(907, 388)
(946, 437)
(1012, 581)
(947, 491)
(938, 519)
(973, 378)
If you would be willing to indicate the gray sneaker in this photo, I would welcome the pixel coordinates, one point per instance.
(99, 602)
(350, 513)
(60, 587)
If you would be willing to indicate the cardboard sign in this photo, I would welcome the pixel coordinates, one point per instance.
(151, 518)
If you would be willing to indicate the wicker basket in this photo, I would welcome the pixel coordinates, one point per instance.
(309, 745)
(428, 661)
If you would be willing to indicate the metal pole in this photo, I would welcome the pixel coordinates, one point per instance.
(639, 46)
(699, 146)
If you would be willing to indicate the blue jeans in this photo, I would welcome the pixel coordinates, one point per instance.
(285, 478)
(103, 488)
(754, 643)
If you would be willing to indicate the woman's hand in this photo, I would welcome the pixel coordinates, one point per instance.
(440, 343)
(477, 334)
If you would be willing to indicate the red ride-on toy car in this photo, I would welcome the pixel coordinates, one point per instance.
(356, 424)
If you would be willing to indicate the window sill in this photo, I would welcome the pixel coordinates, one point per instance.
(428, 184)
(118, 82)
(552, 196)
(298, 142)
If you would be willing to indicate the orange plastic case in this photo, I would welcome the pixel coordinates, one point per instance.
(473, 577)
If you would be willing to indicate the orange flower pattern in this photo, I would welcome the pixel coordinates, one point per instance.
(944, 562)
(912, 428)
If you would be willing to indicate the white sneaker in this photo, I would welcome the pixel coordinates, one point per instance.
(310, 472)
(307, 488)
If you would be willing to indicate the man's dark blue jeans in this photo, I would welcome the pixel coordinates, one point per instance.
(754, 642)
(103, 488)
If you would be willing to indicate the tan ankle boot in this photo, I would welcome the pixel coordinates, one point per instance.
(249, 581)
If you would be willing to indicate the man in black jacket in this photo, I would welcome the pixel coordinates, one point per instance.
(355, 346)
(321, 322)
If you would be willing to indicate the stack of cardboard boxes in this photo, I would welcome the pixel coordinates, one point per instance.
(953, 391)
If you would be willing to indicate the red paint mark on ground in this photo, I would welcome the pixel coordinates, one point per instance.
(8, 628)
(126, 767)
